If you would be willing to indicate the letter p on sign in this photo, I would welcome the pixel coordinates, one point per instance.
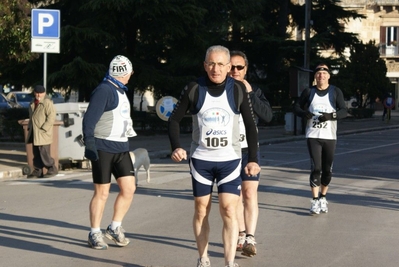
(45, 23)
(45, 20)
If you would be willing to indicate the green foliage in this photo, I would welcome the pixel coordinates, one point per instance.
(166, 41)
(365, 71)
(15, 31)
(327, 17)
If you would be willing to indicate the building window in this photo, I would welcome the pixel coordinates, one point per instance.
(389, 40)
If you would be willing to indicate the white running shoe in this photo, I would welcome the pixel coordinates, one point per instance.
(203, 263)
(323, 205)
(249, 248)
(315, 206)
(117, 236)
(241, 241)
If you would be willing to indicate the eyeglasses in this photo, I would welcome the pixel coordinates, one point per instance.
(211, 65)
(239, 67)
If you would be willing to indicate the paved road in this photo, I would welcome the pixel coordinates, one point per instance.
(13, 155)
(44, 222)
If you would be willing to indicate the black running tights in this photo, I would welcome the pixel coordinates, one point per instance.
(321, 153)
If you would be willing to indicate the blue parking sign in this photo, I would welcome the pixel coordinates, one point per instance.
(45, 23)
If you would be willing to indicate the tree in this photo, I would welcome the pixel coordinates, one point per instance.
(14, 40)
(156, 35)
(328, 19)
(364, 71)
(15, 31)
(166, 41)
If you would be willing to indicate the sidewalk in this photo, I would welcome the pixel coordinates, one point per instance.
(13, 155)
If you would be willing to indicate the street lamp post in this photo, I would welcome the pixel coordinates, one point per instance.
(308, 8)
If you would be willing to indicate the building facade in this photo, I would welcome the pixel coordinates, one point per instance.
(381, 25)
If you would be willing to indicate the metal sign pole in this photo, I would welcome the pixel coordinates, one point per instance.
(45, 70)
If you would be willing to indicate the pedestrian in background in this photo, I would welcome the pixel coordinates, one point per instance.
(106, 127)
(40, 133)
(215, 102)
(389, 103)
(247, 209)
(322, 105)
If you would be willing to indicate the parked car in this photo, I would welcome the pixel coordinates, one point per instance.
(351, 103)
(4, 103)
(20, 99)
(57, 97)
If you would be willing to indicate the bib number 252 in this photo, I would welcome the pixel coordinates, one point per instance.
(317, 124)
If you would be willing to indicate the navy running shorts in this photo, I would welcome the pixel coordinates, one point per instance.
(226, 174)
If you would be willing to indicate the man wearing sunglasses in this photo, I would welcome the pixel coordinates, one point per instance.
(247, 219)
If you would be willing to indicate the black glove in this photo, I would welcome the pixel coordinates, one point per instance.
(327, 116)
(91, 150)
(309, 115)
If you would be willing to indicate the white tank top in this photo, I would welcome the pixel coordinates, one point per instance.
(317, 129)
(243, 136)
(218, 130)
(116, 125)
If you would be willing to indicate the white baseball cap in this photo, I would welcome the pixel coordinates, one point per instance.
(120, 66)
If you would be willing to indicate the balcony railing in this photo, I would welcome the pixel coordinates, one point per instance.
(389, 51)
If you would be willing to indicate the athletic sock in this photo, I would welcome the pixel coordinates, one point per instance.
(315, 198)
(115, 224)
(321, 195)
(95, 230)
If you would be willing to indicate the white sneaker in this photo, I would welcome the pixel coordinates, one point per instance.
(315, 206)
(323, 205)
(241, 241)
(203, 263)
(249, 248)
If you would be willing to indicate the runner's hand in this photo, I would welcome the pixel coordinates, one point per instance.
(91, 149)
(309, 115)
(252, 169)
(325, 116)
(178, 155)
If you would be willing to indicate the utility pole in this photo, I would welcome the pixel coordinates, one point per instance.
(306, 60)
(308, 8)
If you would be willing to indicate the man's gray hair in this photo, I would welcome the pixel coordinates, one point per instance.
(217, 48)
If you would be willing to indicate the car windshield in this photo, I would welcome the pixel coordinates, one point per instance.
(24, 97)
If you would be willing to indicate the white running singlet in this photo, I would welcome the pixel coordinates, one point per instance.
(317, 129)
(218, 130)
(116, 125)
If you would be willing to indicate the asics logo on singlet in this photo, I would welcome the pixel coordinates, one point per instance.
(216, 132)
